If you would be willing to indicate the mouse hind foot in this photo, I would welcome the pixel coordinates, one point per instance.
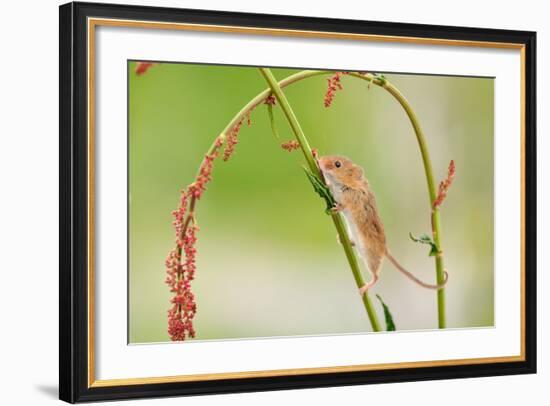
(363, 289)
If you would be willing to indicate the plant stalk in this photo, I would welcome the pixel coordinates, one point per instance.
(435, 216)
(336, 217)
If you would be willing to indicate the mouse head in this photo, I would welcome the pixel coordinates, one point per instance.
(340, 170)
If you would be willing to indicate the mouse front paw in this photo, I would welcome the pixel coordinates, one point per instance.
(337, 208)
(340, 241)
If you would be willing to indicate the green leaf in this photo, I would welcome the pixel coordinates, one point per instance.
(381, 78)
(390, 325)
(426, 239)
(272, 121)
(321, 189)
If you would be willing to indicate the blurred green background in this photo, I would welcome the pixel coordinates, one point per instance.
(268, 261)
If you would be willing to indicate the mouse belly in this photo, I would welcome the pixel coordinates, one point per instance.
(356, 237)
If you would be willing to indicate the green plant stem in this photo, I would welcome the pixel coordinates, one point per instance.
(292, 120)
(336, 217)
(260, 98)
(435, 217)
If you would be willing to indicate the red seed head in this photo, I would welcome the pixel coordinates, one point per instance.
(270, 100)
(333, 86)
(143, 67)
(445, 185)
(290, 146)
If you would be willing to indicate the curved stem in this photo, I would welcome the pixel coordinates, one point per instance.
(435, 217)
(292, 120)
(336, 217)
(260, 98)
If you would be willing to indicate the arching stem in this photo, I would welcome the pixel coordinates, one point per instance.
(336, 217)
(434, 213)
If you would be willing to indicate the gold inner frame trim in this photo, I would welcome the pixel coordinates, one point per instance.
(298, 371)
(94, 22)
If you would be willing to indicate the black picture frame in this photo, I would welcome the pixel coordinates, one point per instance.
(73, 284)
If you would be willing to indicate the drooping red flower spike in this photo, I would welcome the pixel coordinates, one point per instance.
(290, 146)
(232, 140)
(180, 275)
(334, 85)
(180, 263)
(143, 67)
(445, 185)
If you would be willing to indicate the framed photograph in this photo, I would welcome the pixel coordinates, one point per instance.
(257, 202)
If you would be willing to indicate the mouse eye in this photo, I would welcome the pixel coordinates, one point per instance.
(337, 164)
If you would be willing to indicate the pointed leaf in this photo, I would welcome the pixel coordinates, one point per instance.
(390, 325)
(426, 239)
(321, 189)
(381, 78)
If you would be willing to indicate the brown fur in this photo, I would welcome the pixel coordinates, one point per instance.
(356, 199)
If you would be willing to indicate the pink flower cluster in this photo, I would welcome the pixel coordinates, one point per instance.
(334, 85)
(197, 188)
(270, 100)
(290, 145)
(180, 273)
(445, 185)
(232, 139)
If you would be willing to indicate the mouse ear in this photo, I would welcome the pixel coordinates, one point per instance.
(356, 172)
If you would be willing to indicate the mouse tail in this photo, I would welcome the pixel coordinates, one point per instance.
(414, 278)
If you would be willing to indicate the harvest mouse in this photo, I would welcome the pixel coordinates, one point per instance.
(356, 201)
